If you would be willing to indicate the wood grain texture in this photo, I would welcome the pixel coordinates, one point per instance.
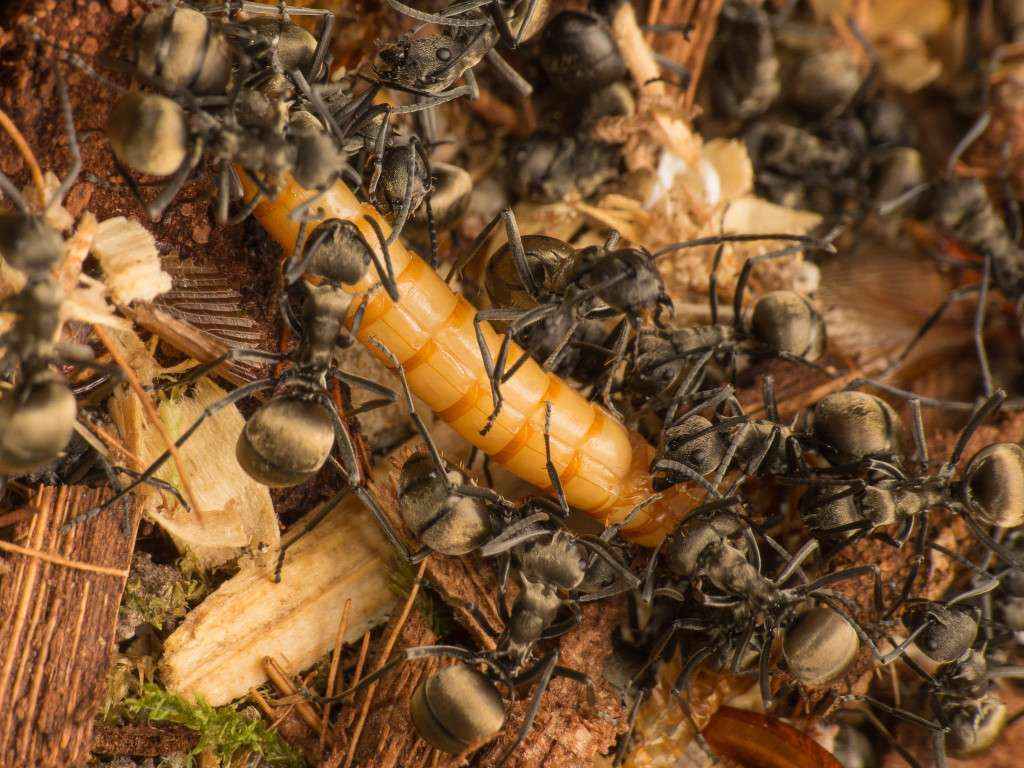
(57, 627)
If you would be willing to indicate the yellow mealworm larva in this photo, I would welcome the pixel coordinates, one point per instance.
(602, 465)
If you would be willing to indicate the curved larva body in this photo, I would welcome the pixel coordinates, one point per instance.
(602, 465)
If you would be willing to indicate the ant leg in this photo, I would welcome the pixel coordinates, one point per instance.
(685, 389)
(385, 269)
(845, 575)
(556, 481)
(325, 33)
(519, 321)
(442, 19)
(744, 278)
(378, 152)
(304, 249)
(713, 283)
(412, 654)
(903, 394)
(927, 325)
(986, 409)
(683, 683)
(624, 740)
(671, 468)
(998, 549)
(979, 327)
(771, 408)
(356, 478)
(12, 193)
(406, 209)
(565, 626)
(224, 194)
(308, 526)
(795, 562)
(515, 243)
(764, 669)
(542, 672)
(478, 243)
(417, 420)
(896, 712)
(917, 423)
(516, 81)
(76, 155)
(229, 399)
(155, 209)
(618, 358)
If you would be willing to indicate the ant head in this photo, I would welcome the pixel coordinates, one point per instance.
(786, 322)
(949, 631)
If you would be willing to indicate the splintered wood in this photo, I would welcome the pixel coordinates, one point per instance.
(58, 613)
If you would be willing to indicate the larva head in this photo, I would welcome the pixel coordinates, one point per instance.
(549, 261)
(457, 707)
(29, 244)
(786, 323)
(286, 441)
(993, 485)
(37, 420)
(855, 425)
(441, 518)
(819, 646)
(336, 251)
(578, 53)
(148, 133)
(177, 47)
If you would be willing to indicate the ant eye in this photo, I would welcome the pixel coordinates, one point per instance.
(443, 54)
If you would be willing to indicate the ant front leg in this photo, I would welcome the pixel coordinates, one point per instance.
(229, 399)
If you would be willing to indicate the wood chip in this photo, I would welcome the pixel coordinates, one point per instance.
(57, 627)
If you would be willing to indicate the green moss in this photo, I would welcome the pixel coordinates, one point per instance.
(161, 595)
(225, 731)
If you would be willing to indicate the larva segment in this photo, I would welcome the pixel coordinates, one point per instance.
(604, 468)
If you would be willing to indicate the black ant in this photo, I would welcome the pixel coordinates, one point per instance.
(288, 439)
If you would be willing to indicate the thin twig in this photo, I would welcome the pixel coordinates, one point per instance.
(280, 679)
(388, 646)
(332, 674)
(49, 557)
(152, 415)
(27, 153)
